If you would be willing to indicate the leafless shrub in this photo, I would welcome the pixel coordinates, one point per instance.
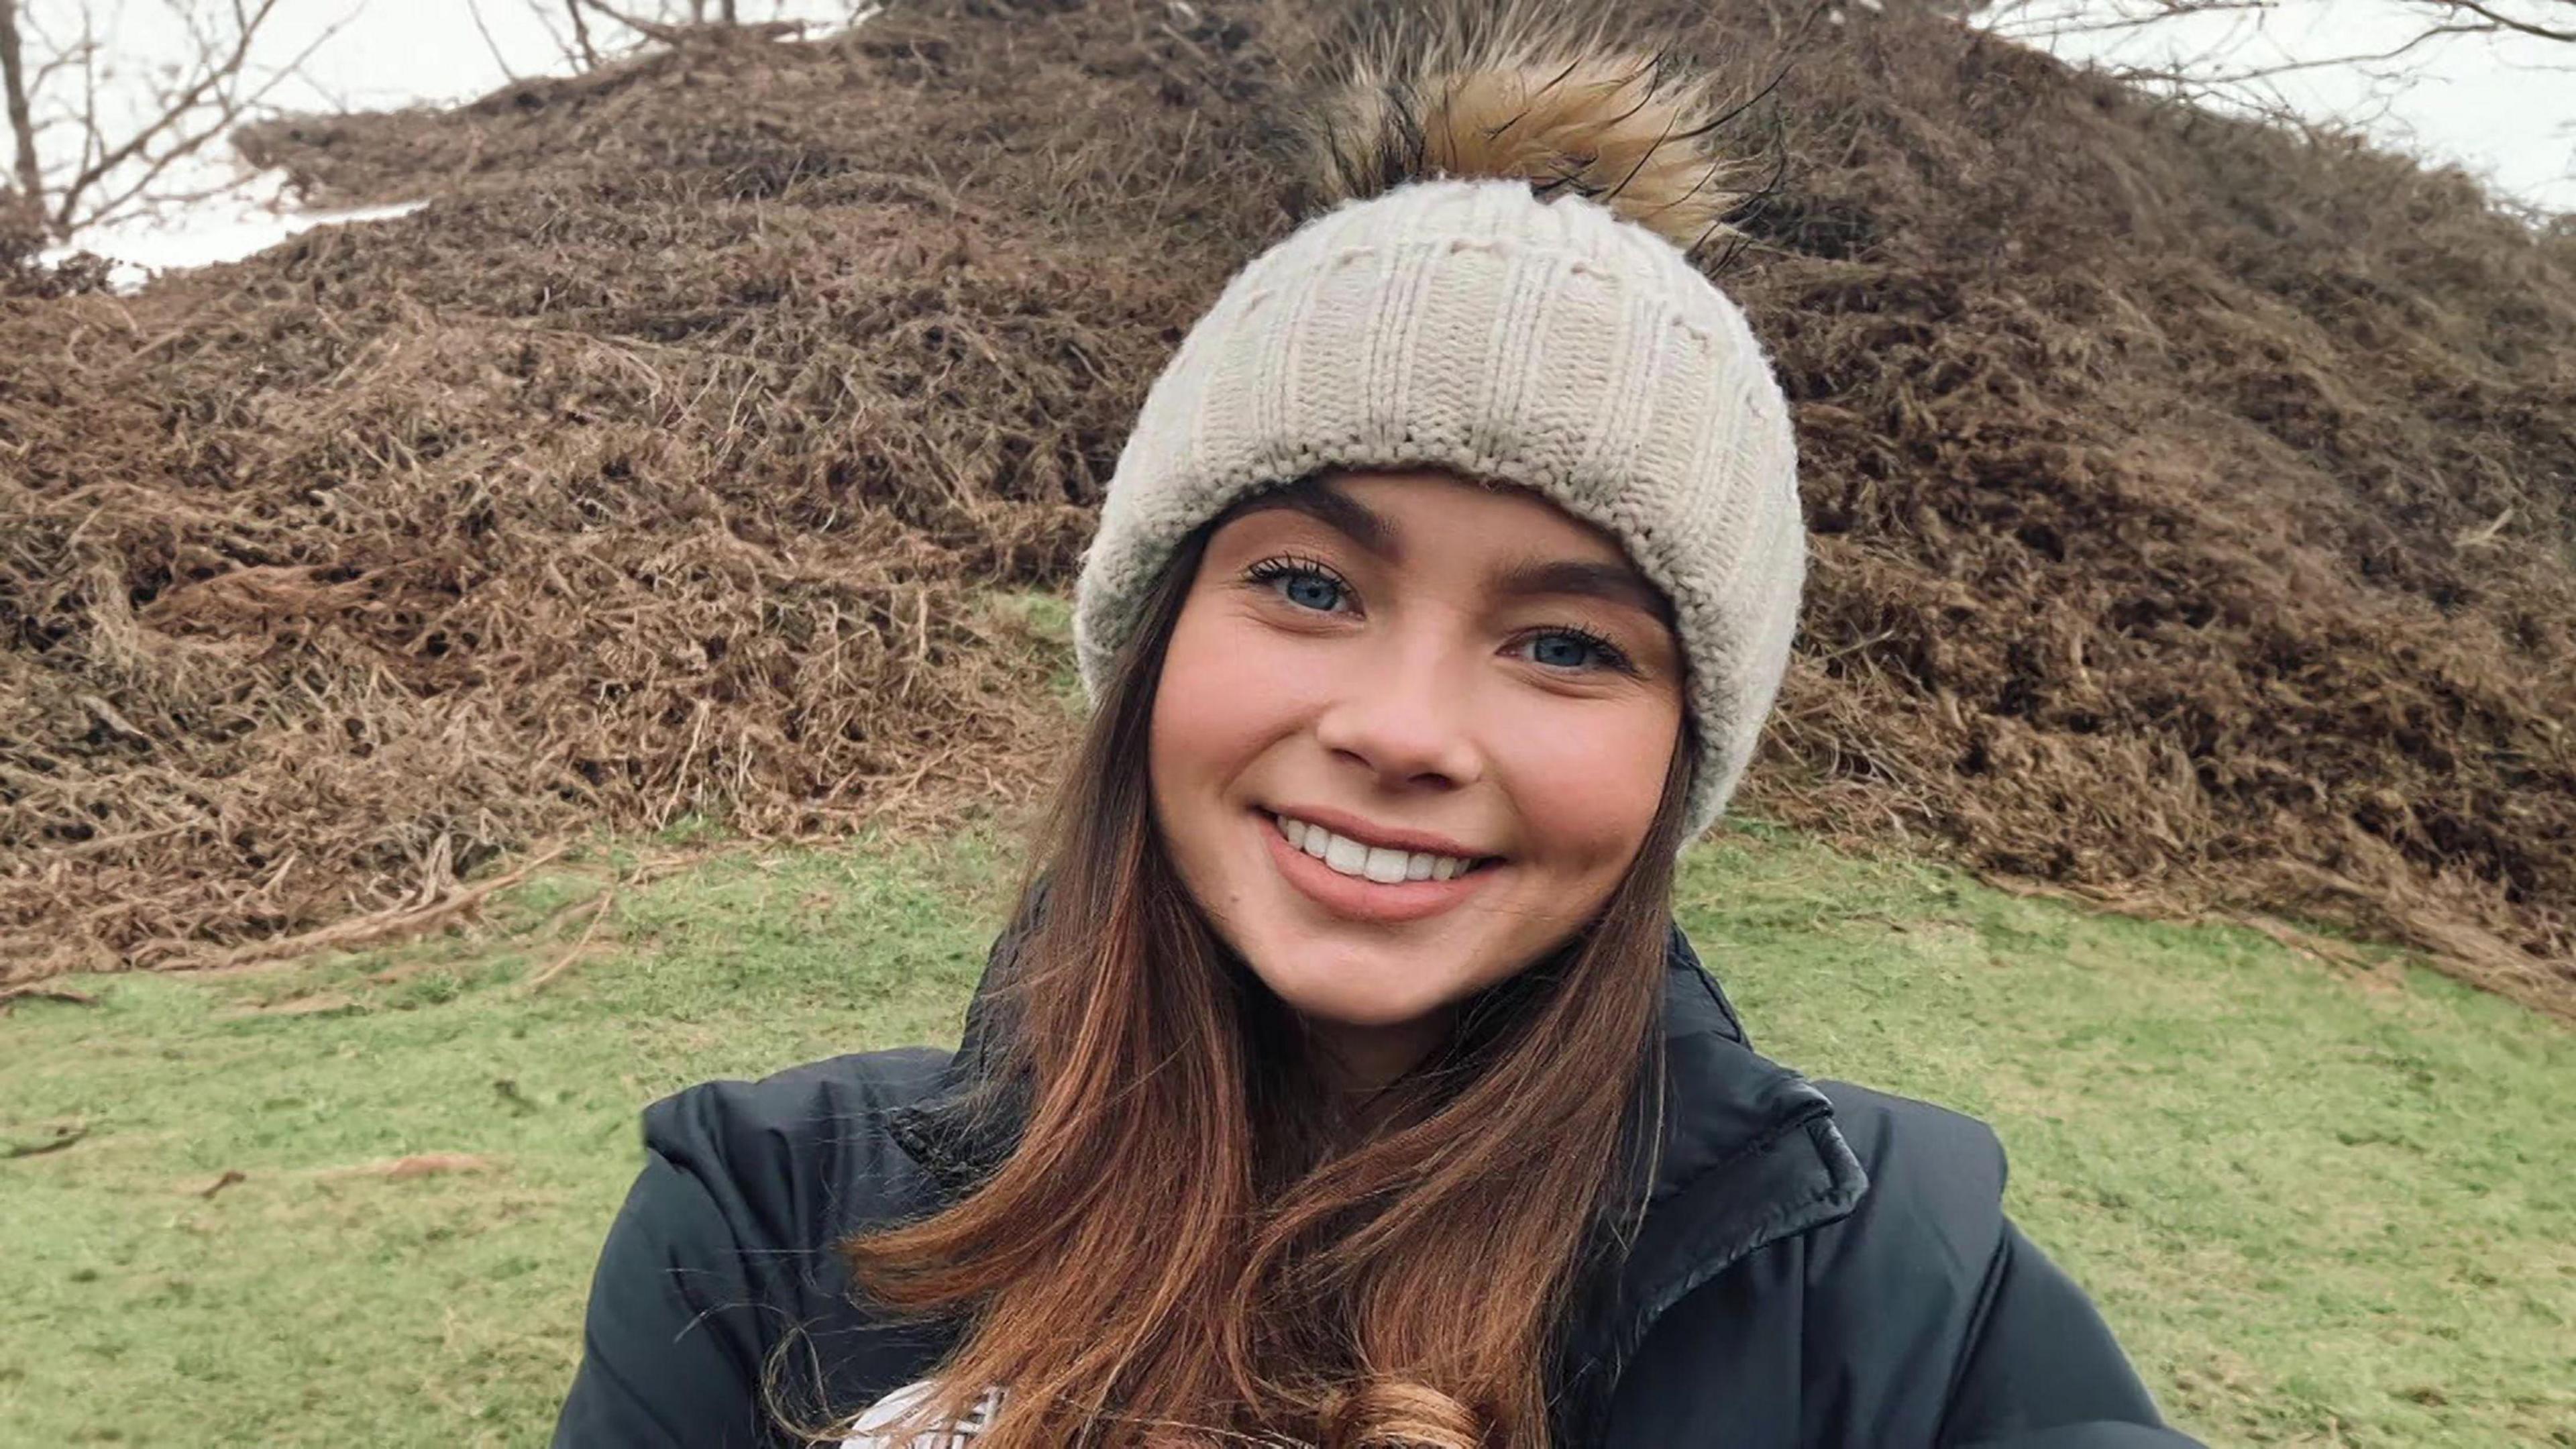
(76, 161)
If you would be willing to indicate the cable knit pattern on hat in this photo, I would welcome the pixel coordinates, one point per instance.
(1470, 326)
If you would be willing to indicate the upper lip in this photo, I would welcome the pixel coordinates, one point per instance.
(1367, 833)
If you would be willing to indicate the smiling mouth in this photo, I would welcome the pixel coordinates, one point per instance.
(1384, 865)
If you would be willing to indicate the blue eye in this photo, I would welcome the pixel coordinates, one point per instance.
(1561, 651)
(1572, 649)
(1312, 591)
(1303, 583)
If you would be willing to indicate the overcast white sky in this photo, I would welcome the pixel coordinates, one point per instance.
(2504, 107)
(398, 52)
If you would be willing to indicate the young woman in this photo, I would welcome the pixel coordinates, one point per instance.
(1342, 1080)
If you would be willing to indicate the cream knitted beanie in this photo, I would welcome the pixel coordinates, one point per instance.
(1471, 326)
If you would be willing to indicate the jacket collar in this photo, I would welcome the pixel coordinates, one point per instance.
(1745, 1155)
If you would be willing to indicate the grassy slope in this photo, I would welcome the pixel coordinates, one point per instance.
(2319, 1210)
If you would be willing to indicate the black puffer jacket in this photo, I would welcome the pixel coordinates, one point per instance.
(1820, 1265)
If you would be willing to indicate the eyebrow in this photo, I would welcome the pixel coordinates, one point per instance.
(1582, 578)
(1334, 509)
(1613, 583)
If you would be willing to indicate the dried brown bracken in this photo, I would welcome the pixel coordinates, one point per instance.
(2194, 505)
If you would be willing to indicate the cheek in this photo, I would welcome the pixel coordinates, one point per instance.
(1223, 699)
(1586, 787)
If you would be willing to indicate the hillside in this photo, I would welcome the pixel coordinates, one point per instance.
(2194, 505)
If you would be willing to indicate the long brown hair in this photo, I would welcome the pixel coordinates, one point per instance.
(1192, 1242)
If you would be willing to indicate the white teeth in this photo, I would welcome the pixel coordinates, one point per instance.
(1377, 863)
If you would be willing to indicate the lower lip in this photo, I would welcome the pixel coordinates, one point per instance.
(1362, 899)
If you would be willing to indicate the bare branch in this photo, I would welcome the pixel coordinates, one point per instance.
(91, 141)
(13, 77)
(475, 9)
(697, 26)
(2039, 20)
(202, 108)
(650, 30)
(2494, 21)
(2031, 20)
(48, 70)
(2218, 81)
(581, 35)
(563, 45)
(2217, 72)
(218, 74)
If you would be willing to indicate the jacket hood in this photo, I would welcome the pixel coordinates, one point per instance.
(1746, 1154)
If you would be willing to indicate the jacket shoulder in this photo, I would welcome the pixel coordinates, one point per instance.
(1933, 1212)
(1929, 1276)
(723, 1257)
(1892, 1294)
(802, 1155)
(1875, 1122)
(1925, 1231)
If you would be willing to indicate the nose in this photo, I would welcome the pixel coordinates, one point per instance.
(1402, 712)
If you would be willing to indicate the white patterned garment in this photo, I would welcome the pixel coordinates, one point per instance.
(869, 1431)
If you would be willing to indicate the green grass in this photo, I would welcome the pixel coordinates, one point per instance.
(2320, 1209)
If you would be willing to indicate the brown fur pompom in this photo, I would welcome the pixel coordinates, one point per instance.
(1520, 93)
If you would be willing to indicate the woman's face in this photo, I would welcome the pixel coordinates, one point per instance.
(1410, 733)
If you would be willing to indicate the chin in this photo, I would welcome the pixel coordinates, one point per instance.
(1348, 988)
